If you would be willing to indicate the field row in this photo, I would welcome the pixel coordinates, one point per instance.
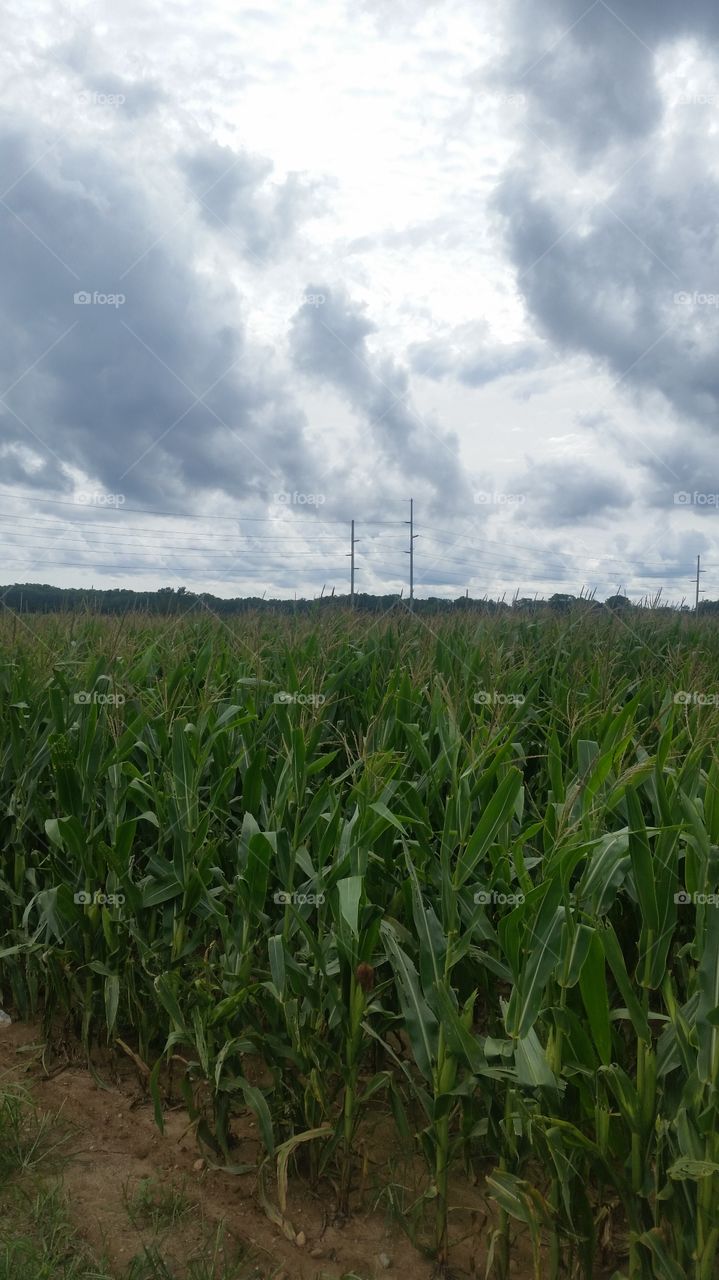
(460, 880)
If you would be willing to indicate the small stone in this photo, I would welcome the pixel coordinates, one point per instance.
(5, 1019)
(300, 1239)
(317, 1252)
(385, 1261)
(199, 1165)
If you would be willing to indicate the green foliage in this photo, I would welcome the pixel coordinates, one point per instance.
(323, 869)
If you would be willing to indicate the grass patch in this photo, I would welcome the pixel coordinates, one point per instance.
(153, 1206)
(39, 1241)
(28, 1136)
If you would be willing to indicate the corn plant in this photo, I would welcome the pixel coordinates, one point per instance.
(251, 855)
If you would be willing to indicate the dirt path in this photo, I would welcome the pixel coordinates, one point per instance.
(115, 1143)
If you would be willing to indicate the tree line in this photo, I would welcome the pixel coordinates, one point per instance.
(33, 597)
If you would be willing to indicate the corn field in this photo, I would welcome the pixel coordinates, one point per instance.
(461, 878)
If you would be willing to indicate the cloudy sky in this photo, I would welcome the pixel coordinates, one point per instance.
(265, 270)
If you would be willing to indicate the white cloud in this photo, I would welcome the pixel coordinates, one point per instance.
(505, 215)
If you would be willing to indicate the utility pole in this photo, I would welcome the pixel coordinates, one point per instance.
(412, 536)
(699, 571)
(352, 563)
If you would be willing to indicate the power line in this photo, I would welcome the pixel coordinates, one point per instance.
(493, 557)
(158, 568)
(461, 543)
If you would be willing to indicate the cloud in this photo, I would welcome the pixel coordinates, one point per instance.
(473, 357)
(137, 96)
(590, 68)
(630, 281)
(330, 344)
(160, 395)
(520, 195)
(235, 195)
(561, 493)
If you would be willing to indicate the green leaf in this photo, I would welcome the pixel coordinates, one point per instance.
(530, 1060)
(260, 855)
(642, 863)
(112, 1000)
(496, 813)
(575, 948)
(708, 983)
(693, 1170)
(169, 1002)
(420, 1021)
(519, 1199)
(595, 998)
(543, 948)
(257, 1103)
(385, 813)
(276, 950)
(615, 957)
(350, 892)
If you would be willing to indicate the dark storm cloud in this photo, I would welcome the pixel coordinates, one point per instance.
(634, 286)
(631, 279)
(684, 474)
(589, 68)
(112, 389)
(329, 344)
(234, 194)
(560, 493)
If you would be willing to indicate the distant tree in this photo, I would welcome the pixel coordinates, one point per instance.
(618, 603)
(561, 602)
(37, 597)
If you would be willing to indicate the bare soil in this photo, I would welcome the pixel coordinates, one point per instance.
(114, 1143)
